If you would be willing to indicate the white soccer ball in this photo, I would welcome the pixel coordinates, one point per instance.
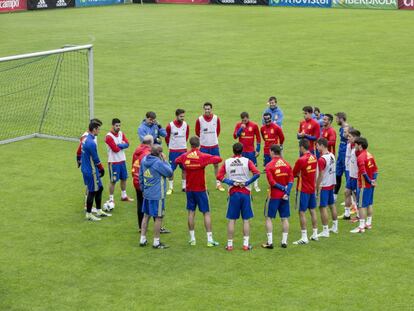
(108, 206)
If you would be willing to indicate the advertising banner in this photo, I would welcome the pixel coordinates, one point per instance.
(12, 5)
(365, 4)
(406, 4)
(80, 3)
(302, 3)
(49, 4)
(184, 1)
(241, 2)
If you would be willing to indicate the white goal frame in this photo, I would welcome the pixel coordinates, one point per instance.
(89, 48)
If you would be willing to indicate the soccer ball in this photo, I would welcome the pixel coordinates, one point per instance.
(108, 206)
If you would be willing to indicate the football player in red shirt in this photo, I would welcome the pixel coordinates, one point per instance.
(272, 134)
(329, 133)
(367, 181)
(309, 128)
(305, 170)
(247, 131)
(194, 163)
(280, 178)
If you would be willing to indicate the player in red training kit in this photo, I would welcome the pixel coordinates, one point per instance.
(309, 128)
(194, 163)
(272, 134)
(280, 178)
(367, 181)
(246, 131)
(305, 170)
(329, 133)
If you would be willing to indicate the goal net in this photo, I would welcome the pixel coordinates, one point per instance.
(46, 94)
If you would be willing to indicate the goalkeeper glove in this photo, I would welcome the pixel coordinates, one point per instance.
(101, 170)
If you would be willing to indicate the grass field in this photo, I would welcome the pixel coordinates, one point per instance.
(161, 57)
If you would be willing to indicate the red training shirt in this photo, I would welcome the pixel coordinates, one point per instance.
(248, 135)
(272, 134)
(278, 171)
(305, 169)
(366, 165)
(330, 135)
(310, 127)
(139, 153)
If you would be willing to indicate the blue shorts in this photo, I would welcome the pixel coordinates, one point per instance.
(352, 184)
(346, 174)
(266, 159)
(239, 204)
(172, 156)
(251, 156)
(198, 198)
(366, 198)
(213, 151)
(92, 181)
(117, 172)
(306, 201)
(326, 198)
(340, 164)
(272, 206)
(153, 208)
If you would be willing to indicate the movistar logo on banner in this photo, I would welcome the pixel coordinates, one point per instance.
(97, 2)
(311, 3)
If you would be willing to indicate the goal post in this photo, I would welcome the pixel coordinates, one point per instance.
(47, 94)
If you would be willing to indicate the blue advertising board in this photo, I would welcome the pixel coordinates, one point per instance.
(303, 3)
(80, 3)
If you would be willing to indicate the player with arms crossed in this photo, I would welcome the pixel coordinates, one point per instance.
(280, 178)
(92, 171)
(79, 155)
(305, 169)
(309, 128)
(246, 131)
(176, 139)
(325, 184)
(152, 180)
(238, 169)
(367, 181)
(272, 134)
(116, 143)
(194, 163)
(207, 128)
(276, 113)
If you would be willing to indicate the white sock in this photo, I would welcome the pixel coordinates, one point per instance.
(315, 231)
(335, 196)
(192, 235)
(256, 183)
(183, 184)
(111, 197)
(218, 183)
(156, 241)
(209, 236)
(335, 224)
(362, 223)
(347, 211)
(305, 235)
(86, 198)
(123, 194)
(143, 239)
(369, 220)
(245, 241)
(230, 243)
(171, 184)
(284, 237)
(324, 229)
(269, 238)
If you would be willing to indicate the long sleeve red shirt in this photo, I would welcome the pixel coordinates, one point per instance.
(278, 171)
(272, 134)
(248, 135)
(194, 163)
(366, 165)
(139, 153)
(305, 170)
(312, 129)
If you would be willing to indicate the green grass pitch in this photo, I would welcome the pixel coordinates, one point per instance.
(161, 57)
